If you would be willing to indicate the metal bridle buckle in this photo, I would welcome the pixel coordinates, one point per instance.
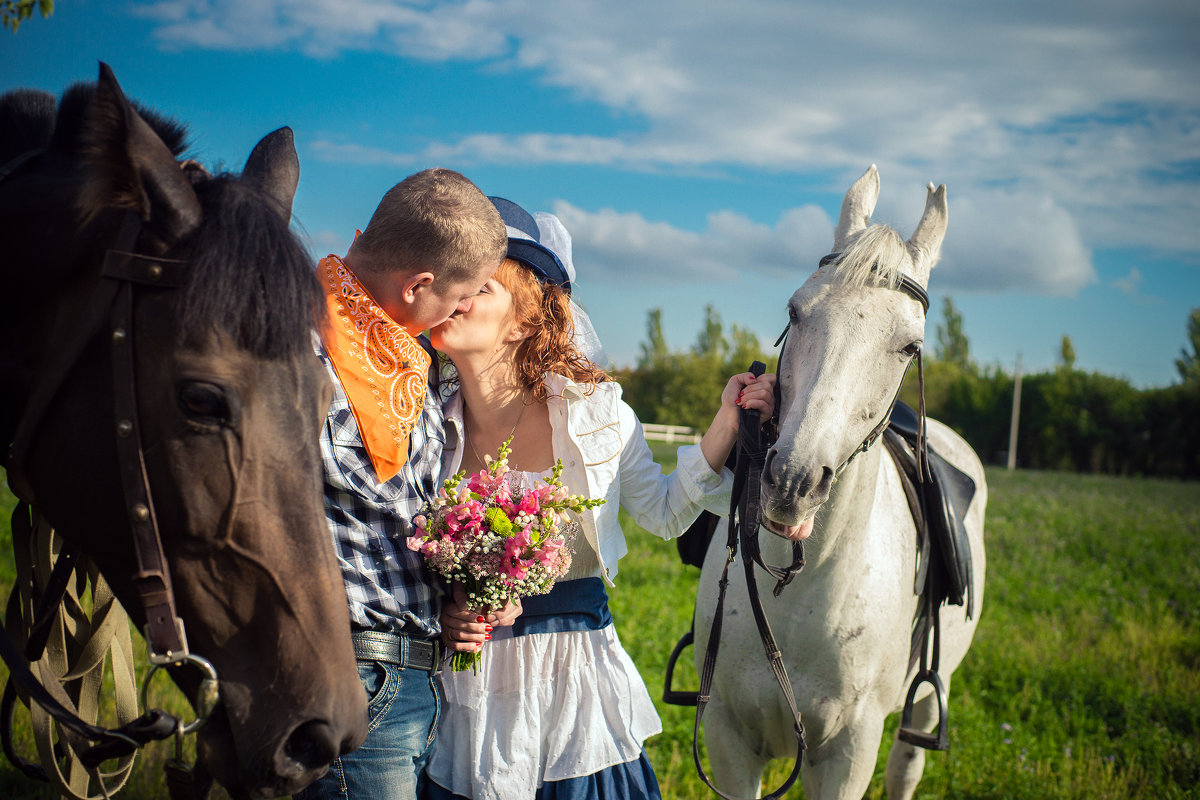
(207, 696)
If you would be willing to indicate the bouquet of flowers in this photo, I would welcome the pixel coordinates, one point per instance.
(500, 543)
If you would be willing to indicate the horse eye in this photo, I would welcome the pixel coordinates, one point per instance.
(204, 402)
(912, 350)
(792, 315)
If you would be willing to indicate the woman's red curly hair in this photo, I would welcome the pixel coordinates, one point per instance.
(545, 309)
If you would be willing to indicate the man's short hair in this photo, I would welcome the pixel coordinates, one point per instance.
(433, 221)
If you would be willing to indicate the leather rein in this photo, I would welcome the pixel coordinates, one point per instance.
(745, 518)
(123, 273)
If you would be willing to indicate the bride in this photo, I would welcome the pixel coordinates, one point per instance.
(557, 708)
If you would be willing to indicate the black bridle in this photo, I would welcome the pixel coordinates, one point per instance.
(124, 272)
(745, 518)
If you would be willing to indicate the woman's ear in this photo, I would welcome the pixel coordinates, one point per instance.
(519, 333)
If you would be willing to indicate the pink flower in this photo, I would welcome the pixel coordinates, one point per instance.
(549, 550)
(529, 504)
(415, 543)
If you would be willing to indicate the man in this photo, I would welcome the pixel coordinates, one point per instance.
(431, 245)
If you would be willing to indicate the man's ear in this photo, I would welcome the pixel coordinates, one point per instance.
(417, 282)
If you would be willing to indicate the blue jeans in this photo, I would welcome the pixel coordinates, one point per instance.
(403, 714)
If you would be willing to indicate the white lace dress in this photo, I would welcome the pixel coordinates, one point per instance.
(560, 699)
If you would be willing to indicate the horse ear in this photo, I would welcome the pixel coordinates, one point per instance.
(925, 245)
(857, 207)
(274, 169)
(129, 166)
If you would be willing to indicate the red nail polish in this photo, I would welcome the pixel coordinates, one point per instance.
(489, 636)
(479, 619)
(488, 629)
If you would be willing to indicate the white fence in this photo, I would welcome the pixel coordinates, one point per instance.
(670, 433)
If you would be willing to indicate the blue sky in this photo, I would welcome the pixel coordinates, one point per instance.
(698, 151)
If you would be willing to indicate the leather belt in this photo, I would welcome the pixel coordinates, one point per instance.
(397, 648)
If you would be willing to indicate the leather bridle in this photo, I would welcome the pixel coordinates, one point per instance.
(124, 272)
(745, 518)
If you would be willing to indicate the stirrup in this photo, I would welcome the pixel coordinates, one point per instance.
(915, 736)
(669, 695)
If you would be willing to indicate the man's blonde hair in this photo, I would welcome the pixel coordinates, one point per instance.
(433, 221)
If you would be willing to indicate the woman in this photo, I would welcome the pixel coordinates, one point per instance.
(557, 708)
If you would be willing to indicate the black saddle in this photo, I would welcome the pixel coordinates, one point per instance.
(939, 507)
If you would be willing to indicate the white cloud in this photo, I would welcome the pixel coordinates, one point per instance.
(1088, 109)
(998, 242)
(1131, 283)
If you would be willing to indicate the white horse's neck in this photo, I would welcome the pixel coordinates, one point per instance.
(842, 521)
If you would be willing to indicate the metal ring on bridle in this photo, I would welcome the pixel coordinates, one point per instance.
(207, 696)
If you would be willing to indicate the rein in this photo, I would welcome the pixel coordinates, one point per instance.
(123, 272)
(745, 505)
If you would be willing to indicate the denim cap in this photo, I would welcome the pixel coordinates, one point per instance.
(530, 243)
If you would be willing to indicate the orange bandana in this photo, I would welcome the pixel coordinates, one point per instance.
(382, 368)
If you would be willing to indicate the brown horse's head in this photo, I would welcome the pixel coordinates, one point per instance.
(230, 399)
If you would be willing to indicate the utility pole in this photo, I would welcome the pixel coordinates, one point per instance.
(1016, 417)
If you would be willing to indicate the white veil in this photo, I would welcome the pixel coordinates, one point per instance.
(554, 235)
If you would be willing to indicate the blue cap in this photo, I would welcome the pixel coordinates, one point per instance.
(525, 247)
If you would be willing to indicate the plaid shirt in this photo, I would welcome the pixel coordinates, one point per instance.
(387, 585)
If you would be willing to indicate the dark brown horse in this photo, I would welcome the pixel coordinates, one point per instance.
(229, 400)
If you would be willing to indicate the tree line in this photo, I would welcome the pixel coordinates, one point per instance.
(1069, 419)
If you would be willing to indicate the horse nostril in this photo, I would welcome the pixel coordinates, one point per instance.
(311, 746)
(826, 481)
(768, 473)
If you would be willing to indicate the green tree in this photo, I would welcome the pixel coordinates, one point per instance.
(1188, 364)
(654, 349)
(1066, 353)
(711, 341)
(14, 12)
(952, 344)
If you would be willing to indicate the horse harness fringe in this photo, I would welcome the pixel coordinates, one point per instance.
(121, 272)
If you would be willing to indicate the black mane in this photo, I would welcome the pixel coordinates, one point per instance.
(250, 279)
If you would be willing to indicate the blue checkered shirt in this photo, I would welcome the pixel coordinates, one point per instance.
(387, 585)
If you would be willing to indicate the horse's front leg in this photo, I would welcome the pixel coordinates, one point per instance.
(841, 767)
(737, 767)
(905, 762)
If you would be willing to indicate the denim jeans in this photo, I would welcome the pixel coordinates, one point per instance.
(403, 710)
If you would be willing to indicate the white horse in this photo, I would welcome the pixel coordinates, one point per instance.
(843, 625)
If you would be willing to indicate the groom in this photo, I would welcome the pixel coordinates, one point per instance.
(431, 245)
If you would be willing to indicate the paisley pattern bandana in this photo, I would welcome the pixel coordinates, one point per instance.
(382, 368)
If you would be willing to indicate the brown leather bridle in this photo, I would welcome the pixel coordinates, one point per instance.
(123, 272)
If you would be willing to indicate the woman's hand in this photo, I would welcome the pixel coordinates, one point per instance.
(464, 630)
(742, 391)
(746, 391)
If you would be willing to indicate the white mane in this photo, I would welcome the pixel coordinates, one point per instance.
(877, 254)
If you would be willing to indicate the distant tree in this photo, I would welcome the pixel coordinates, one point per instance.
(952, 344)
(654, 349)
(14, 12)
(1188, 364)
(1066, 353)
(711, 341)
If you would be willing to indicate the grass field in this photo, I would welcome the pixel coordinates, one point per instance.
(1083, 682)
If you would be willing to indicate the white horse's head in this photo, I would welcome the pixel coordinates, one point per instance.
(851, 338)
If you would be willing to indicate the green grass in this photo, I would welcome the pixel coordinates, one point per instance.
(1084, 677)
(1083, 682)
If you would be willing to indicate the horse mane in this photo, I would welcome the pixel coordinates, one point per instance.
(877, 253)
(250, 277)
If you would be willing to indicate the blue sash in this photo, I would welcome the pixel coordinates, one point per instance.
(580, 605)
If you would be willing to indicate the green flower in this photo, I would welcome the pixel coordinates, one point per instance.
(498, 522)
